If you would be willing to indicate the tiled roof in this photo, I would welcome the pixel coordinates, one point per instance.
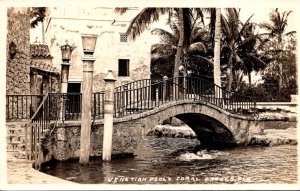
(44, 67)
(39, 51)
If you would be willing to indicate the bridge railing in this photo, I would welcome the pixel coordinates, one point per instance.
(98, 105)
(147, 94)
(69, 105)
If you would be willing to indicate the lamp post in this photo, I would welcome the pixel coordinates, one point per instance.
(88, 44)
(66, 51)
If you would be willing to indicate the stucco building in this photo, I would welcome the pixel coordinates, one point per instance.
(129, 60)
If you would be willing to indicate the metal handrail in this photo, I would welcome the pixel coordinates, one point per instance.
(145, 96)
(39, 123)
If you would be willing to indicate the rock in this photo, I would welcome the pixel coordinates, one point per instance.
(71, 178)
(171, 131)
(273, 137)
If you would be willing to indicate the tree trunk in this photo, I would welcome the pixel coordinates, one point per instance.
(217, 49)
(180, 42)
(280, 84)
(249, 78)
(280, 80)
(229, 73)
(176, 90)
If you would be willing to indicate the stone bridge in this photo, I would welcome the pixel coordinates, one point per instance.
(127, 113)
(213, 126)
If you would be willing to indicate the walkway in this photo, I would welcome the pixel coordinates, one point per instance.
(21, 172)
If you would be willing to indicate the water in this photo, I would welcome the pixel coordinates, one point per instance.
(176, 160)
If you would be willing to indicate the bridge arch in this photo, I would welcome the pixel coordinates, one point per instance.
(213, 126)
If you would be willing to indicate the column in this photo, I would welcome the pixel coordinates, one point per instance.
(86, 111)
(108, 116)
(64, 88)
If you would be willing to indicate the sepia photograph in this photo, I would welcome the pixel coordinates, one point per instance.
(149, 96)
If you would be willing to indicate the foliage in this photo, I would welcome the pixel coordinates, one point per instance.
(37, 14)
(287, 60)
(183, 16)
(277, 35)
(195, 56)
(239, 47)
(269, 90)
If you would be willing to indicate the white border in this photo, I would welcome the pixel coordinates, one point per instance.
(283, 4)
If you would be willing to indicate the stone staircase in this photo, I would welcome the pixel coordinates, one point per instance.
(15, 137)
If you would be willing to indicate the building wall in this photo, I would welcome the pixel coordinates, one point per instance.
(18, 67)
(66, 26)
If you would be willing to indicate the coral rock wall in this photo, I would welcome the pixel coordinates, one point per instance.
(18, 65)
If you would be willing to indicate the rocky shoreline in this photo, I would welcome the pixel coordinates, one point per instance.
(269, 137)
(273, 137)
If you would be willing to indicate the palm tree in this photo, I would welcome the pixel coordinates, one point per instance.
(217, 49)
(247, 50)
(239, 46)
(276, 30)
(149, 15)
(195, 48)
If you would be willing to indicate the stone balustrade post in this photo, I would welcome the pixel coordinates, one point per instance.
(108, 116)
(64, 77)
(64, 87)
(165, 79)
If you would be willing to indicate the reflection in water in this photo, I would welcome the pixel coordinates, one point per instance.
(176, 160)
(107, 171)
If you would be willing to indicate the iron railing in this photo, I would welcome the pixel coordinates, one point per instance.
(66, 105)
(69, 105)
(19, 107)
(39, 126)
(98, 105)
(142, 95)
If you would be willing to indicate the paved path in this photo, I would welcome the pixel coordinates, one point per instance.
(20, 172)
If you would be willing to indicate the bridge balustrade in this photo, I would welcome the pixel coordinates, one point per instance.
(143, 95)
(134, 97)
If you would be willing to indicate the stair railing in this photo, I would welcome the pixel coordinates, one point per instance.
(39, 124)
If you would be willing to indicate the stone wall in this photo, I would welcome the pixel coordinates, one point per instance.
(65, 142)
(18, 65)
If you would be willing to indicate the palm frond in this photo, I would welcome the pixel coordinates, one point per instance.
(203, 60)
(143, 20)
(245, 27)
(257, 63)
(225, 28)
(162, 59)
(199, 14)
(163, 49)
(37, 15)
(165, 36)
(197, 47)
(290, 33)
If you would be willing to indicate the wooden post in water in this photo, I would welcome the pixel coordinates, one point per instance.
(88, 43)
(108, 116)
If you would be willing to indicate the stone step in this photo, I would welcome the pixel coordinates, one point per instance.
(12, 155)
(16, 147)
